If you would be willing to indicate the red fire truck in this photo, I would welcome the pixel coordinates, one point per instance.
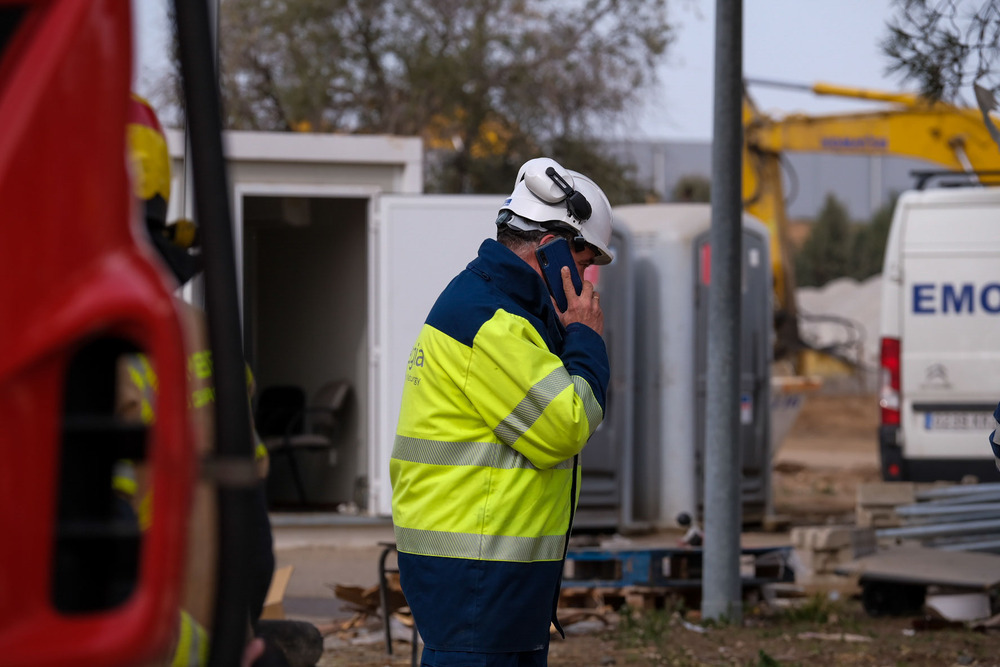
(80, 584)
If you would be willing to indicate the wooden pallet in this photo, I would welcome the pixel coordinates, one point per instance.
(609, 598)
(668, 567)
(659, 578)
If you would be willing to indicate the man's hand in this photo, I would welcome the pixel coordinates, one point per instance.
(584, 307)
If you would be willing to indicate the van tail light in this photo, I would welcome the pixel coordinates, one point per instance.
(888, 398)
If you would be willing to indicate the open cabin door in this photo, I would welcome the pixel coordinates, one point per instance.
(417, 244)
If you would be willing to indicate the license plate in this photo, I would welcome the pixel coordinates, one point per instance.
(958, 421)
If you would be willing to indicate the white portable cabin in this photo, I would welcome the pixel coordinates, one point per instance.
(323, 226)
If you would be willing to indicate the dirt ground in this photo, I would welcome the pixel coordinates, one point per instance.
(830, 450)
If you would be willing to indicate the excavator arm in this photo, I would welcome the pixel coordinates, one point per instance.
(954, 137)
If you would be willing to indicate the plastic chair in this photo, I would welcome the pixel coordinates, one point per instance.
(286, 423)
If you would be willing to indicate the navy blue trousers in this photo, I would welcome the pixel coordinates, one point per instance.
(432, 658)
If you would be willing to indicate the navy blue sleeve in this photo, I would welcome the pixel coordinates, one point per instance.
(993, 436)
(585, 355)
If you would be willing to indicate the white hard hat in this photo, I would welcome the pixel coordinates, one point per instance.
(546, 195)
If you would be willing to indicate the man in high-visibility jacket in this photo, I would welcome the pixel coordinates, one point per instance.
(502, 392)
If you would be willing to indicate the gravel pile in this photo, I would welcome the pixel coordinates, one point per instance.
(843, 314)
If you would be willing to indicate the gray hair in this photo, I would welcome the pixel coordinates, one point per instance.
(521, 241)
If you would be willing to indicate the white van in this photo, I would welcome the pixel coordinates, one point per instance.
(940, 329)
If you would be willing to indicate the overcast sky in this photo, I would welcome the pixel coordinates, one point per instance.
(798, 41)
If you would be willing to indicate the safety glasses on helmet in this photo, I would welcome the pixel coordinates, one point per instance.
(576, 203)
(580, 244)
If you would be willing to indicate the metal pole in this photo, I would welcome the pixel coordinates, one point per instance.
(721, 586)
(234, 449)
(194, 291)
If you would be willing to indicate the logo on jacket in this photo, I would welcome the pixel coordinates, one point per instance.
(416, 361)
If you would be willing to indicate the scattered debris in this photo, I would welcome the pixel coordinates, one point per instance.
(365, 626)
(959, 606)
(820, 550)
(898, 581)
(834, 636)
(366, 600)
(586, 627)
(274, 600)
(693, 628)
(574, 616)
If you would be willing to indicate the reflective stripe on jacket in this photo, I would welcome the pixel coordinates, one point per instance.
(498, 400)
(192, 644)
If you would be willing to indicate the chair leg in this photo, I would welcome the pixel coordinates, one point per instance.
(296, 476)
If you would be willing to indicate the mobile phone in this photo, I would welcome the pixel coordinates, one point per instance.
(552, 256)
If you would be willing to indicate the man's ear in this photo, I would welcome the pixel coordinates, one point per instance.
(545, 239)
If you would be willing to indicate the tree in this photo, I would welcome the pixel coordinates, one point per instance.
(692, 188)
(868, 243)
(945, 45)
(826, 253)
(486, 83)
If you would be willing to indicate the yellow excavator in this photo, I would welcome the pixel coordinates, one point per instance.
(955, 137)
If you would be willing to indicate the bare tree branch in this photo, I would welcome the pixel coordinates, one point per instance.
(945, 45)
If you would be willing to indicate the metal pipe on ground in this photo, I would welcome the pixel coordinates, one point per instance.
(962, 499)
(959, 490)
(939, 530)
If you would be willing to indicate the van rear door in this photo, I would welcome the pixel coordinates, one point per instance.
(950, 334)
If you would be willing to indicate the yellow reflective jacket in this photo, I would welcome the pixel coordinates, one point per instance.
(498, 401)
